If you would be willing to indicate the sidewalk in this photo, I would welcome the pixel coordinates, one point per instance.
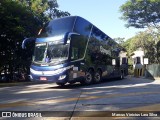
(142, 77)
(18, 84)
(14, 84)
(31, 83)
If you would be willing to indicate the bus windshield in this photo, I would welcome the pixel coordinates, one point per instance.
(51, 52)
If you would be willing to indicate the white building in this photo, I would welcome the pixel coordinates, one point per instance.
(138, 57)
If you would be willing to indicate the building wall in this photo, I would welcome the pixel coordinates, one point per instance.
(136, 64)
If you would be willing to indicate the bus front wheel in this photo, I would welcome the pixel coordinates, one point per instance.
(60, 84)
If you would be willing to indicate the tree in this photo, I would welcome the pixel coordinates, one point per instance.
(141, 13)
(19, 19)
(145, 41)
(119, 40)
(16, 22)
(44, 10)
(144, 14)
(53, 10)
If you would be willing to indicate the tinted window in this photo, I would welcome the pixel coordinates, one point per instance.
(99, 35)
(99, 41)
(57, 27)
(82, 26)
(78, 46)
(98, 48)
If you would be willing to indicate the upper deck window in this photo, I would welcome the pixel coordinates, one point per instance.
(57, 27)
(82, 26)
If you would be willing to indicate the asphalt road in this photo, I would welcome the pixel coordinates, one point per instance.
(130, 98)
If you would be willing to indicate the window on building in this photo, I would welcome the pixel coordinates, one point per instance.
(138, 60)
(124, 60)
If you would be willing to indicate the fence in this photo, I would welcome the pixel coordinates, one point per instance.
(139, 72)
(153, 70)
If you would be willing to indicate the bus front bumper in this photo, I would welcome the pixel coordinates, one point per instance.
(55, 78)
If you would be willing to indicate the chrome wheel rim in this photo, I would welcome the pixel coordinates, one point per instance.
(88, 77)
(97, 77)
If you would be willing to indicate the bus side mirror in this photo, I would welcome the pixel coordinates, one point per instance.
(26, 41)
(66, 38)
(113, 62)
(70, 35)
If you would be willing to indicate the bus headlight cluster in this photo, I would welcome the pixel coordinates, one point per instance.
(62, 77)
(35, 72)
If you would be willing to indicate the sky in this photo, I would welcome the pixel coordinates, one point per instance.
(104, 14)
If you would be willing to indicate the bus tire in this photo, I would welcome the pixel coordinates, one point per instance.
(98, 76)
(88, 77)
(72, 82)
(60, 84)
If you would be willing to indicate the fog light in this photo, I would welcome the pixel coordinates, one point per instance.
(62, 77)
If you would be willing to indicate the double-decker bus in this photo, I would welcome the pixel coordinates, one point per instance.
(71, 49)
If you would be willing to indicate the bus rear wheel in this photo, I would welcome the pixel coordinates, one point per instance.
(88, 77)
(97, 77)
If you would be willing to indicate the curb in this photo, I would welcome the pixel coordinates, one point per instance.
(142, 77)
(17, 84)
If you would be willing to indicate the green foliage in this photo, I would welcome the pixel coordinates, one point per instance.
(119, 40)
(44, 10)
(147, 42)
(141, 13)
(130, 70)
(20, 19)
(16, 22)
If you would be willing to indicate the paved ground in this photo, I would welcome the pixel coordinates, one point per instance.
(118, 99)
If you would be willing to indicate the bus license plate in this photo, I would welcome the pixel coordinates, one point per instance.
(43, 78)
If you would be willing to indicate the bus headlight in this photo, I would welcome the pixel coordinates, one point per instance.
(35, 72)
(61, 70)
(62, 77)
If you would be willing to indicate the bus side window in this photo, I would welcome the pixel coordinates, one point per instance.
(74, 53)
(78, 44)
